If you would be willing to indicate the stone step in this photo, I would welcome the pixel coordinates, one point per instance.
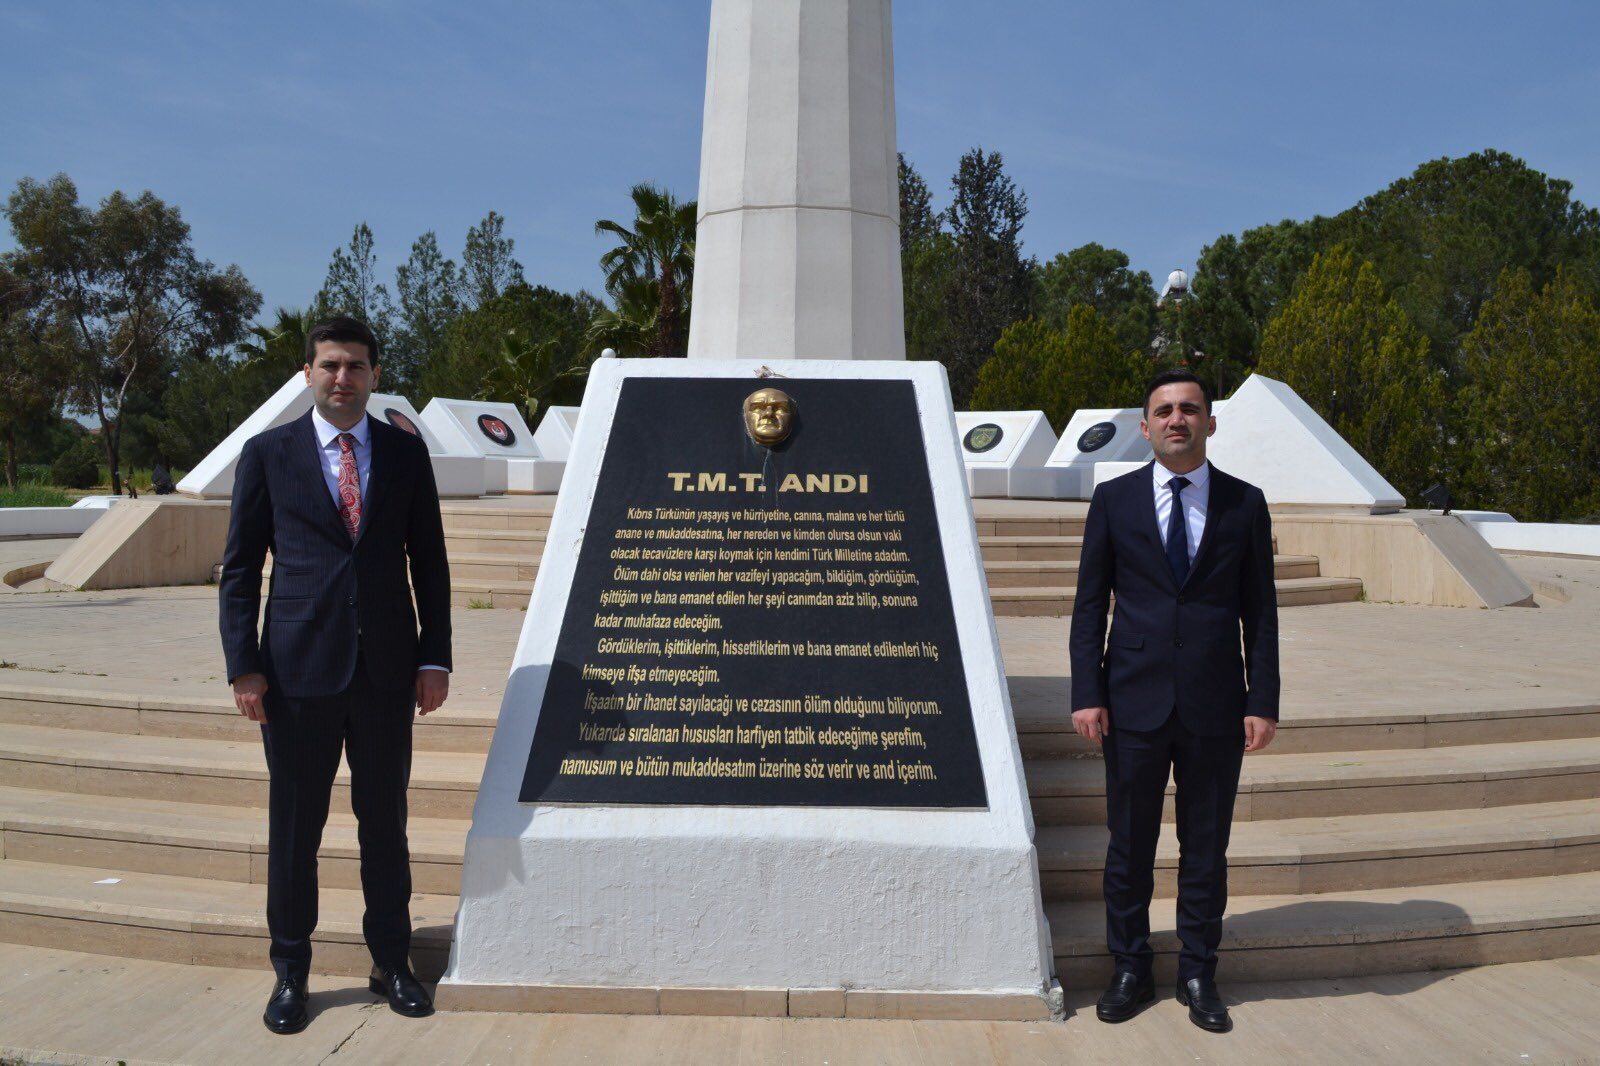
(1346, 853)
(1370, 931)
(198, 921)
(461, 725)
(527, 545)
(502, 569)
(1041, 710)
(1289, 856)
(1030, 549)
(517, 513)
(1324, 784)
(224, 773)
(202, 840)
(1312, 591)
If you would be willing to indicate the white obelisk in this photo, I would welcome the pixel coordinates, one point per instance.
(798, 249)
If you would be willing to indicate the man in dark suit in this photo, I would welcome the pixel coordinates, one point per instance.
(1187, 682)
(343, 502)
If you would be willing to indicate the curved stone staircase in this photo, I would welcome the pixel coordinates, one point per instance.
(133, 823)
(1030, 556)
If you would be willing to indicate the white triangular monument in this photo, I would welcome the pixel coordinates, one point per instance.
(756, 754)
(1270, 437)
(458, 473)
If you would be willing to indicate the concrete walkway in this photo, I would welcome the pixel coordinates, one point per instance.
(63, 1007)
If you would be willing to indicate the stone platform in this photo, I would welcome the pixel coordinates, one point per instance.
(61, 1006)
(1430, 801)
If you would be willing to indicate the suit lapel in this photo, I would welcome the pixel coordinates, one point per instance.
(308, 454)
(377, 474)
(1221, 499)
(1145, 504)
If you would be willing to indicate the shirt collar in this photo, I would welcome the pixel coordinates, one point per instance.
(1198, 477)
(327, 432)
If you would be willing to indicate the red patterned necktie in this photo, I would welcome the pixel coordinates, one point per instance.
(349, 485)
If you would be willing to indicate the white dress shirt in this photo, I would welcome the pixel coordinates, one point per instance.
(1196, 497)
(333, 456)
(333, 459)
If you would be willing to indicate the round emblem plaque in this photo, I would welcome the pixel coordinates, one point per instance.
(982, 438)
(399, 420)
(1097, 436)
(497, 430)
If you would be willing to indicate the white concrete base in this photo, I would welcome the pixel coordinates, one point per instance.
(698, 897)
(553, 439)
(534, 476)
(1012, 443)
(17, 523)
(1506, 534)
(1094, 437)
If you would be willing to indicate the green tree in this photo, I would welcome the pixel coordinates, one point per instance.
(351, 287)
(1441, 237)
(1099, 277)
(658, 249)
(927, 268)
(32, 383)
(532, 374)
(993, 281)
(1531, 389)
(535, 315)
(489, 268)
(629, 324)
(132, 296)
(1350, 352)
(1058, 371)
(429, 287)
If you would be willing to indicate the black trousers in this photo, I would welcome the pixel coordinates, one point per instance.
(303, 739)
(1206, 772)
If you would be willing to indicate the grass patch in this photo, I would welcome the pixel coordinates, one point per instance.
(34, 496)
(475, 605)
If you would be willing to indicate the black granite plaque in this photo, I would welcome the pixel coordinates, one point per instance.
(759, 628)
(1097, 436)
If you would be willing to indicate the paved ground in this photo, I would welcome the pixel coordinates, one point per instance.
(1360, 656)
(63, 1007)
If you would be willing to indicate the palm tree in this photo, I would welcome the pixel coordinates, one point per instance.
(630, 326)
(529, 374)
(659, 251)
(278, 350)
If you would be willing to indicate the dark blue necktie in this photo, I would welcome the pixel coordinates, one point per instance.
(1178, 533)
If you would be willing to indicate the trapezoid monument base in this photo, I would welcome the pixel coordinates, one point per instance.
(757, 735)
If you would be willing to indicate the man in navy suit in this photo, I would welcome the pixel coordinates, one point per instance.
(343, 502)
(1186, 682)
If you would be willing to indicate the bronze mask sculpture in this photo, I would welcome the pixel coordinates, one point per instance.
(769, 417)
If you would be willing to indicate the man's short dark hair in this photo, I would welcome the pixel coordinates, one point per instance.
(1176, 377)
(345, 330)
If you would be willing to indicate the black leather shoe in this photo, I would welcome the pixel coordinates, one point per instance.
(1123, 998)
(286, 1010)
(1206, 1008)
(405, 992)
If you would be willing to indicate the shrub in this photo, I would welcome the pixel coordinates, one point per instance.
(78, 467)
(34, 496)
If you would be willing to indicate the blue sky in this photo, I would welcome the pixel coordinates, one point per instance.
(1150, 127)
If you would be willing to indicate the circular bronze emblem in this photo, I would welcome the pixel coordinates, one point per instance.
(399, 420)
(982, 438)
(497, 430)
(1097, 436)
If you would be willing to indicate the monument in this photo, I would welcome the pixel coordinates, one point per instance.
(756, 753)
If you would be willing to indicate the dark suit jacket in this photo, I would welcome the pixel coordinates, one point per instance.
(331, 597)
(1170, 647)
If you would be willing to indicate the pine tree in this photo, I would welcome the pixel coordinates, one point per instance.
(1058, 371)
(993, 281)
(1532, 384)
(1352, 354)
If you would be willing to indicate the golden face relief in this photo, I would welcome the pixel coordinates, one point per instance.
(769, 416)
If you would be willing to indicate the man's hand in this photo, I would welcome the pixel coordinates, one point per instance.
(432, 688)
(1092, 723)
(1258, 732)
(249, 691)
